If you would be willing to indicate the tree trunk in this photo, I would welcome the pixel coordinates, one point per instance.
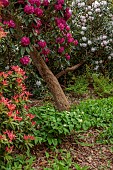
(60, 99)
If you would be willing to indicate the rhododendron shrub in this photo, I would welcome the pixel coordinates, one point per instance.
(93, 24)
(16, 123)
(42, 24)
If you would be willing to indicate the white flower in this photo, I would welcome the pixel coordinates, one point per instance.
(84, 38)
(105, 42)
(78, 1)
(7, 68)
(96, 62)
(93, 49)
(38, 83)
(110, 40)
(82, 4)
(84, 28)
(80, 120)
(84, 45)
(97, 10)
(82, 32)
(111, 54)
(89, 7)
(73, 4)
(89, 42)
(109, 58)
(100, 61)
(96, 4)
(89, 13)
(96, 68)
(104, 37)
(104, 3)
(82, 17)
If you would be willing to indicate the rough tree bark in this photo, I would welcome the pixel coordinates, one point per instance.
(60, 99)
(68, 69)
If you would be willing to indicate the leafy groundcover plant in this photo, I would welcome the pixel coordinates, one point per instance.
(16, 123)
(53, 126)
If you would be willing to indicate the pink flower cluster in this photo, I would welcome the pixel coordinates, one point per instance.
(25, 41)
(61, 23)
(59, 5)
(5, 2)
(67, 13)
(25, 60)
(38, 12)
(42, 44)
(21, 2)
(10, 23)
(28, 9)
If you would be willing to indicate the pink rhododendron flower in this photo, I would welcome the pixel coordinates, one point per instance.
(11, 24)
(61, 23)
(38, 24)
(25, 60)
(61, 49)
(32, 2)
(70, 39)
(28, 9)
(42, 43)
(75, 42)
(60, 40)
(45, 51)
(45, 2)
(67, 57)
(46, 60)
(68, 28)
(38, 12)
(67, 13)
(38, 3)
(25, 41)
(5, 3)
(58, 7)
(61, 26)
(60, 2)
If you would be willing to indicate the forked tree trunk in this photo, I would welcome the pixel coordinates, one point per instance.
(60, 99)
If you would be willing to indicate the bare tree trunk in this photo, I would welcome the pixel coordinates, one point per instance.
(60, 99)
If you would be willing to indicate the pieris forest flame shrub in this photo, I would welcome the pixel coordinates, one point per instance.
(16, 123)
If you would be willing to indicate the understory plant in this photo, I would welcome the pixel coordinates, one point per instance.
(53, 126)
(91, 84)
(17, 125)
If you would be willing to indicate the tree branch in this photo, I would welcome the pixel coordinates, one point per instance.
(68, 69)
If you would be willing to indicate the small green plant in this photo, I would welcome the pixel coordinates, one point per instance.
(80, 86)
(103, 86)
(63, 161)
(19, 162)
